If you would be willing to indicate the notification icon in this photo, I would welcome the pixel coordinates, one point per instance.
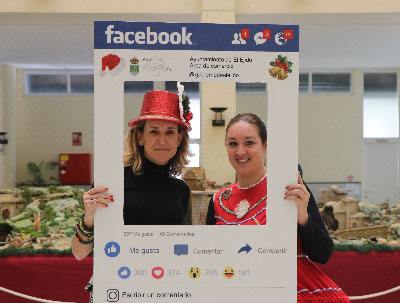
(266, 34)
(245, 34)
(288, 34)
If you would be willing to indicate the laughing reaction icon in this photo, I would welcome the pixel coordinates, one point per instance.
(228, 272)
(194, 272)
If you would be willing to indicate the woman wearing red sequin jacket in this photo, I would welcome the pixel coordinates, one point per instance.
(245, 202)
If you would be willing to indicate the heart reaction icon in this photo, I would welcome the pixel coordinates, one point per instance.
(157, 272)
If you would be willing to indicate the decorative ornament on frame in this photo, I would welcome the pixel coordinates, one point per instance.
(3, 141)
(111, 61)
(281, 67)
(184, 109)
(218, 116)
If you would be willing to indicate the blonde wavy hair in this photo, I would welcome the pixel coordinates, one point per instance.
(134, 153)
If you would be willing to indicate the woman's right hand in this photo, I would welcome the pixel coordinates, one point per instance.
(93, 199)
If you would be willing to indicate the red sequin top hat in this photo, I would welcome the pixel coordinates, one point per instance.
(162, 105)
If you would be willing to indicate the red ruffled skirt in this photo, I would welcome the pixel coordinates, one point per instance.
(313, 286)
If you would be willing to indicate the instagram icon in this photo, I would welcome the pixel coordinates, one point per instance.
(112, 295)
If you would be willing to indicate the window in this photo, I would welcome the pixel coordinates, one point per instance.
(249, 88)
(138, 87)
(193, 91)
(82, 83)
(59, 82)
(381, 106)
(325, 82)
(194, 161)
(303, 83)
(46, 84)
(331, 83)
(309, 82)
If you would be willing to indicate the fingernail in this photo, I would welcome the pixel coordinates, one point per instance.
(111, 196)
(112, 200)
(284, 198)
(287, 187)
(106, 188)
(106, 205)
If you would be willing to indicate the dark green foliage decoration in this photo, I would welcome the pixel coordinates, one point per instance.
(27, 194)
(365, 248)
(36, 171)
(12, 251)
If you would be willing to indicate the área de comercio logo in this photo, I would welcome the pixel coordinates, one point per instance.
(147, 37)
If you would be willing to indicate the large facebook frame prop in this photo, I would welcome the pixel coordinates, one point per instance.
(154, 263)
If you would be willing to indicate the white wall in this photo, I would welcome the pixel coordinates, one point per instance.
(45, 125)
(330, 131)
(252, 103)
(330, 134)
(196, 6)
(132, 107)
(7, 124)
(103, 6)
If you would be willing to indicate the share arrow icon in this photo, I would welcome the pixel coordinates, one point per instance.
(246, 248)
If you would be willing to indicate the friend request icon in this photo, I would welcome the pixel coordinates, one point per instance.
(157, 272)
(194, 272)
(124, 272)
(245, 248)
(112, 249)
(228, 272)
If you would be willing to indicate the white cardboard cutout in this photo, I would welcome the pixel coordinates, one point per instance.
(268, 272)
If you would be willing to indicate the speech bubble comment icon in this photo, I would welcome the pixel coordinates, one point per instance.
(181, 249)
(259, 38)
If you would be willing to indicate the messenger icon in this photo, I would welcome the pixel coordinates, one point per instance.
(181, 249)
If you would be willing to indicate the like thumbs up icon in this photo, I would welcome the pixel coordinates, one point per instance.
(112, 249)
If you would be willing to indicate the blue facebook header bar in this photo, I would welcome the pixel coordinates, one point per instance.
(196, 36)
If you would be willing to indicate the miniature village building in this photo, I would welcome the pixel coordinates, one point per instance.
(11, 205)
(201, 192)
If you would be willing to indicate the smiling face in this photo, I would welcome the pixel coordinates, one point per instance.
(246, 151)
(160, 140)
(228, 272)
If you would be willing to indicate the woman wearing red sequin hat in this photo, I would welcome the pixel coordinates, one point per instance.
(156, 150)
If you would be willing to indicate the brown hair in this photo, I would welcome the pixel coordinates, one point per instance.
(251, 119)
(134, 153)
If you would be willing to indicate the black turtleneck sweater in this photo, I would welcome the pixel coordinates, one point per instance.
(154, 197)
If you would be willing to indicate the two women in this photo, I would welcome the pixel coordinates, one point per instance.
(157, 149)
(245, 203)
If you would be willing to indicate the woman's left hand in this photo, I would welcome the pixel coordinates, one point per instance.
(299, 194)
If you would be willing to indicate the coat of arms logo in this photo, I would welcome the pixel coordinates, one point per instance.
(134, 68)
